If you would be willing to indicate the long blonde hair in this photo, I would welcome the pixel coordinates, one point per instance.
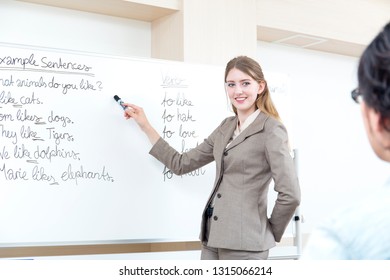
(252, 68)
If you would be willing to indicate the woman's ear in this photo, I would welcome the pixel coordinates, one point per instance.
(261, 88)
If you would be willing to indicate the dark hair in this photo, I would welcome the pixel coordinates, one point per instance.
(252, 68)
(374, 73)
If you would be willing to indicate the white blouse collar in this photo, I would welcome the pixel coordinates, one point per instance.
(249, 120)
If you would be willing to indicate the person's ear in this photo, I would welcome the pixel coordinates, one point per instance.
(385, 131)
(380, 126)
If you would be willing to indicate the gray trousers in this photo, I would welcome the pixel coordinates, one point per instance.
(210, 253)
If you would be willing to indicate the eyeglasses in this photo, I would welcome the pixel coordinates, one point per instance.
(356, 95)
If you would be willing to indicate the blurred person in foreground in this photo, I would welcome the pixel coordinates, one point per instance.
(362, 229)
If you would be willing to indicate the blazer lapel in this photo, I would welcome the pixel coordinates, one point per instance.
(228, 131)
(253, 128)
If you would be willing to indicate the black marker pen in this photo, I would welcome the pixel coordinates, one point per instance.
(120, 102)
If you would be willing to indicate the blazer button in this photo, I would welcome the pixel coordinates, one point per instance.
(219, 195)
(215, 218)
(225, 153)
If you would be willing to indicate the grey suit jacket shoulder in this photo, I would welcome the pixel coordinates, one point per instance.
(243, 173)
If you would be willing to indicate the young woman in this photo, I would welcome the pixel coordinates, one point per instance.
(249, 149)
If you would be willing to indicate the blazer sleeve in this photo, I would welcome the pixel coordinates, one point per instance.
(182, 163)
(285, 179)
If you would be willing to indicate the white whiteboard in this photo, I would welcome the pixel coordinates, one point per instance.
(73, 169)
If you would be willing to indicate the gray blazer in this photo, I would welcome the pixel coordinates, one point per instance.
(243, 173)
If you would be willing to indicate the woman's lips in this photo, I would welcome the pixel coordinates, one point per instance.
(240, 99)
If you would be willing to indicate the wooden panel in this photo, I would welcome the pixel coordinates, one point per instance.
(93, 249)
(124, 247)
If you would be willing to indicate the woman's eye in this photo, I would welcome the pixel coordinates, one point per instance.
(230, 84)
(246, 83)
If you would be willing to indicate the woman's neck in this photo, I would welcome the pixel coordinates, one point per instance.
(242, 116)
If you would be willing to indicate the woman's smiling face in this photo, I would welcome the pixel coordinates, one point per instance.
(242, 91)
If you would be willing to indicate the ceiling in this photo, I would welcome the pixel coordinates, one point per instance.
(305, 41)
(134, 9)
(150, 10)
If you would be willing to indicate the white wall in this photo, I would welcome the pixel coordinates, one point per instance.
(39, 25)
(335, 160)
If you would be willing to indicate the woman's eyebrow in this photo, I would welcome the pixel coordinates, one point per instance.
(243, 80)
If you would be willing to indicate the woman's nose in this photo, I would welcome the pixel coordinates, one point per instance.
(238, 89)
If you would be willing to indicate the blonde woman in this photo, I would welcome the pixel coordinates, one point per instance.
(250, 149)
